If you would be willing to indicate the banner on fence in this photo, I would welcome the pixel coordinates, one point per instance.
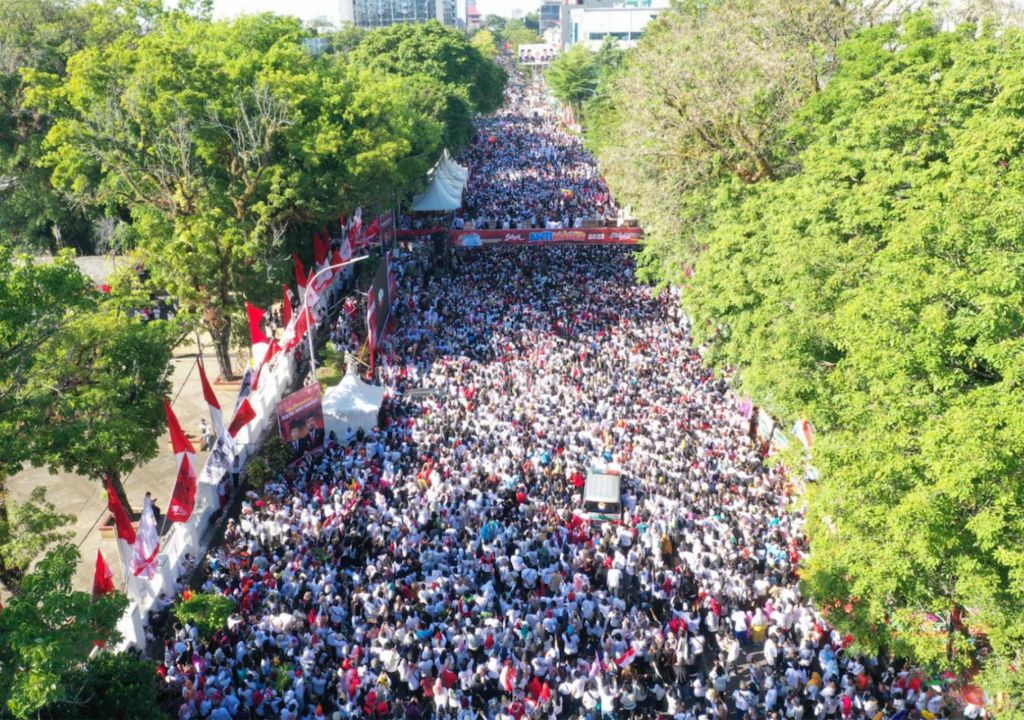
(538, 236)
(300, 418)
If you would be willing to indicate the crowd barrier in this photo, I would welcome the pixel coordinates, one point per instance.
(275, 381)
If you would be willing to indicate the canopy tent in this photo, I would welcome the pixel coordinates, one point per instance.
(447, 181)
(351, 404)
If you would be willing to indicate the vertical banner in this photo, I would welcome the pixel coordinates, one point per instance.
(378, 305)
(300, 418)
(387, 231)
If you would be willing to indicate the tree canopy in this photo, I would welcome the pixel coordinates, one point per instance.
(222, 136)
(850, 242)
(46, 631)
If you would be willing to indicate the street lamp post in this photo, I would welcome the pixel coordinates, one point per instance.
(305, 298)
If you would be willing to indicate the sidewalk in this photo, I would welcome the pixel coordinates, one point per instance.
(85, 499)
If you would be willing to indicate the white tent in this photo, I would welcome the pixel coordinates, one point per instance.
(351, 404)
(447, 181)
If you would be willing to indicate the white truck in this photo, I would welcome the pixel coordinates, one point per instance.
(602, 494)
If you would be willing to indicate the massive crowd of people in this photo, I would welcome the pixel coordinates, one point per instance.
(442, 565)
(526, 170)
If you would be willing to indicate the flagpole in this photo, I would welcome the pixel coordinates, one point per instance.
(305, 298)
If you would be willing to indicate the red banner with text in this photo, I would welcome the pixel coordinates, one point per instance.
(538, 236)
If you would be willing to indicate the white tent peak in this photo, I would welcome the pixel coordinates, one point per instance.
(353, 404)
(444, 191)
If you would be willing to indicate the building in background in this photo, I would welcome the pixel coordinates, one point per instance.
(381, 13)
(591, 21)
(550, 15)
(473, 17)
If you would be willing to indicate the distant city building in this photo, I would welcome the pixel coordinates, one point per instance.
(473, 17)
(550, 15)
(591, 21)
(381, 13)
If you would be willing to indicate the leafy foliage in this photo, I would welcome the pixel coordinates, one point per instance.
(277, 453)
(111, 685)
(40, 35)
(46, 630)
(868, 275)
(30, 528)
(220, 136)
(486, 42)
(573, 76)
(439, 52)
(206, 611)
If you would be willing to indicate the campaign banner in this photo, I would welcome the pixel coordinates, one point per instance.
(540, 236)
(378, 303)
(300, 419)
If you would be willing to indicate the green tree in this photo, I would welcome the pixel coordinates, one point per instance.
(40, 35)
(110, 685)
(878, 290)
(27, 530)
(516, 33)
(36, 300)
(573, 77)
(705, 98)
(485, 41)
(220, 137)
(207, 611)
(94, 402)
(438, 51)
(47, 630)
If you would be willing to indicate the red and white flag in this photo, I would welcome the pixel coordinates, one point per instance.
(123, 523)
(286, 306)
(145, 560)
(355, 230)
(256, 335)
(102, 579)
(320, 248)
(626, 658)
(507, 677)
(211, 401)
(372, 231)
(272, 350)
(805, 433)
(297, 332)
(300, 271)
(183, 498)
(243, 416)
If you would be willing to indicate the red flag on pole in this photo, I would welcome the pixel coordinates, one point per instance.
(125, 529)
(179, 440)
(183, 499)
(256, 316)
(286, 306)
(243, 416)
(319, 249)
(102, 579)
(145, 562)
(372, 230)
(355, 230)
(300, 271)
(211, 401)
(302, 325)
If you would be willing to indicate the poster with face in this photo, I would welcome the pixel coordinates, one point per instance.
(300, 419)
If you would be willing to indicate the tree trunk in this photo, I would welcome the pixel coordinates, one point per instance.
(117, 486)
(219, 325)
